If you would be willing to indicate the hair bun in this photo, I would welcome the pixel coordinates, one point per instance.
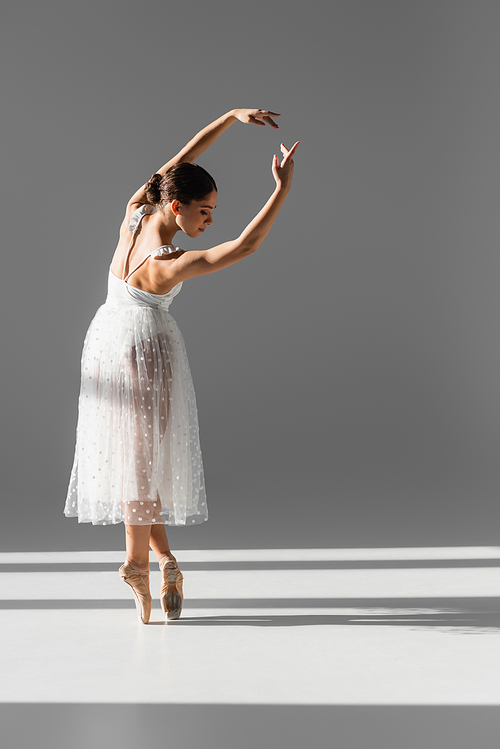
(153, 191)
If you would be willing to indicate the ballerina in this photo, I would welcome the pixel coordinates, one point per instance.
(137, 456)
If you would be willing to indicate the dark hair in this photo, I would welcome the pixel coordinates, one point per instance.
(184, 182)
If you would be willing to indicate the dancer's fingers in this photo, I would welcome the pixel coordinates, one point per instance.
(255, 121)
(271, 122)
(292, 150)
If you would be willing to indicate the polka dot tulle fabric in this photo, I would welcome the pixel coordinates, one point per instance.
(137, 457)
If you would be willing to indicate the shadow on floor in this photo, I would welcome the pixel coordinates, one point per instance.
(460, 622)
(462, 615)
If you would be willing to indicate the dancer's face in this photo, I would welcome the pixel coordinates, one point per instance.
(194, 217)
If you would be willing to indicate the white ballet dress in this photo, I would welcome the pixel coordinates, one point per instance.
(137, 456)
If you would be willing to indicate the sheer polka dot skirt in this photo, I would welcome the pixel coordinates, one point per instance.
(137, 457)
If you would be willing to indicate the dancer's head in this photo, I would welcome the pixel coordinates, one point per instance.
(189, 192)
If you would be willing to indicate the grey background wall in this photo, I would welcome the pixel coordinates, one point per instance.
(348, 373)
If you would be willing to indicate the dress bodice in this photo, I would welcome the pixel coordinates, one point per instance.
(122, 294)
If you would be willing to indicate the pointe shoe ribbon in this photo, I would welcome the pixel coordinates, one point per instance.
(171, 595)
(140, 588)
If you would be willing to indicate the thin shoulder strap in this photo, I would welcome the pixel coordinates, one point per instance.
(134, 223)
(137, 267)
(165, 249)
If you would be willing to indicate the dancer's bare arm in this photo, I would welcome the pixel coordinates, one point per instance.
(206, 137)
(197, 263)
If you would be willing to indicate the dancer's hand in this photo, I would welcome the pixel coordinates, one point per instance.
(256, 117)
(283, 172)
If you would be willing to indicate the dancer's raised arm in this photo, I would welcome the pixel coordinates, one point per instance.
(207, 136)
(197, 263)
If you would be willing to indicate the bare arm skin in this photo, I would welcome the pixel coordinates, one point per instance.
(197, 263)
(204, 140)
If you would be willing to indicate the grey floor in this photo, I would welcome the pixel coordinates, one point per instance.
(284, 648)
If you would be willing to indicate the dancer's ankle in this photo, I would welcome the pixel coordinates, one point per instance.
(139, 569)
(165, 558)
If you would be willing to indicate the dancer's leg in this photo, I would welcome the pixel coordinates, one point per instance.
(159, 543)
(137, 545)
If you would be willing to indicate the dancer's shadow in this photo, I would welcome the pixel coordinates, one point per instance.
(460, 615)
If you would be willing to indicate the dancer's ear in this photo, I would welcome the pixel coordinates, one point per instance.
(175, 205)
